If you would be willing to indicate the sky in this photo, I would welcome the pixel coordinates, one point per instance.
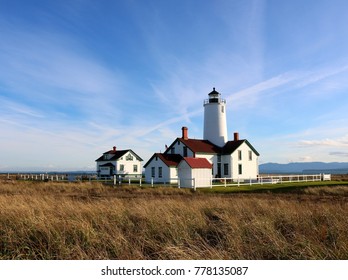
(79, 77)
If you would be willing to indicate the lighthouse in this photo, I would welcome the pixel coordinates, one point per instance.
(215, 127)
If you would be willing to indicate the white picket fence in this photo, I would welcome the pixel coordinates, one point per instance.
(115, 179)
(229, 182)
(184, 183)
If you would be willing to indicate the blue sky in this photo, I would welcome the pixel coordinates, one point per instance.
(78, 77)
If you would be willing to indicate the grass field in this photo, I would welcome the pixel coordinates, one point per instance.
(91, 221)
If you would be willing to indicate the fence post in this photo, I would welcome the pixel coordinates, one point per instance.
(238, 182)
(151, 181)
(225, 181)
(129, 181)
(194, 183)
(140, 182)
(114, 180)
(249, 181)
(179, 183)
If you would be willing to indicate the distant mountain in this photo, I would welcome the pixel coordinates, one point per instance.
(305, 167)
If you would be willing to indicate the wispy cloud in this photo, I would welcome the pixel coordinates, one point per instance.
(8, 107)
(79, 95)
(254, 93)
(340, 142)
(339, 154)
(51, 70)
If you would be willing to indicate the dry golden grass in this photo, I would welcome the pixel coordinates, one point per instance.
(92, 221)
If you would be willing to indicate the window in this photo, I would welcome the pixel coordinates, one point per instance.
(250, 155)
(160, 172)
(225, 169)
(135, 168)
(219, 158)
(129, 157)
(172, 150)
(240, 169)
(185, 151)
(121, 167)
(239, 155)
(222, 109)
(153, 172)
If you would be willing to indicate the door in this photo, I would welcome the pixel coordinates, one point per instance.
(219, 170)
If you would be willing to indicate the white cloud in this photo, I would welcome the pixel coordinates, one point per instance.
(340, 142)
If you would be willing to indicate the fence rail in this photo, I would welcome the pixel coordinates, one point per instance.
(115, 179)
(136, 179)
(260, 180)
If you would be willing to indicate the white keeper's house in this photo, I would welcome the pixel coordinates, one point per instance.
(197, 161)
(119, 162)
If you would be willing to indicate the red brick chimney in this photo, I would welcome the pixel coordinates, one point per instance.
(114, 148)
(236, 136)
(184, 132)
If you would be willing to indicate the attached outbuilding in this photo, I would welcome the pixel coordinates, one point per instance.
(162, 168)
(195, 172)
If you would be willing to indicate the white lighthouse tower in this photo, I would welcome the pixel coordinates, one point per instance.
(215, 127)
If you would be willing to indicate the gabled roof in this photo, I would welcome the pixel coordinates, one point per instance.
(206, 147)
(197, 162)
(231, 146)
(116, 154)
(198, 146)
(168, 159)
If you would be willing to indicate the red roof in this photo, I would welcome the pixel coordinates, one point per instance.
(168, 159)
(198, 162)
(200, 146)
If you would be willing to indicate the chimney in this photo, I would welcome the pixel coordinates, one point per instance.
(184, 132)
(114, 148)
(236, 136)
